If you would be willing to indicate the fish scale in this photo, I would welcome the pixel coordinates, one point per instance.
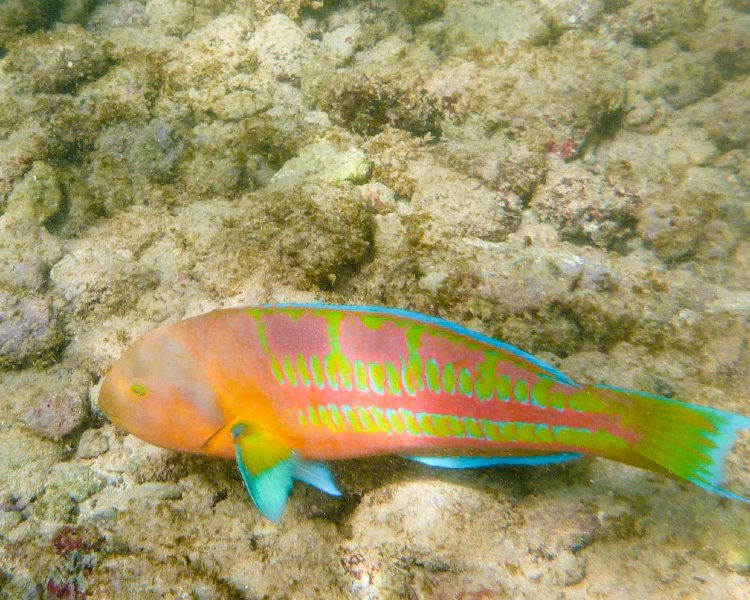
(282, 388)
(464, 379)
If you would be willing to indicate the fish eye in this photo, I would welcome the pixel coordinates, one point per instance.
(138, 389)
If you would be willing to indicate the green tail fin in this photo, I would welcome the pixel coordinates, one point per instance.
(683, 440)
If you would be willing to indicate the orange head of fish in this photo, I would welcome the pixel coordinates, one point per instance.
(159, 392)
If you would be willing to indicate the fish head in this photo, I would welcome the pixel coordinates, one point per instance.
(159, 392)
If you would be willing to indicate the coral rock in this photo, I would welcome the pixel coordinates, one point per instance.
(585, 207)
(59, 62)
(55, 414)
(28, 329)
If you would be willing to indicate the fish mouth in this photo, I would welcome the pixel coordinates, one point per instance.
(105, 408)
(116, 421)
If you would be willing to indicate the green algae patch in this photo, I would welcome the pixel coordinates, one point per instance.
(19, 17)
(389, 100)
(69, 484)
(57, 62)
(314, 233)
(419, 11)
(38, 197)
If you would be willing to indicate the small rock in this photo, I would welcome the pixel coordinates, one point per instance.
(69, 484)
(8, 520)
(585, 207)
(218, 164)
(153, 490)
(719, 240)
(341, 42)
(147, 463)
(38, 197)
(26, 272)
(382, 198)
(570, 568)
(92, 444)
(56, 416)
(26, 253)
(327, 231)
(419, 11)
(282, 47)
(59, 413)
(325, 162)
(28, 329)
(448, 205)
(672, 231)
(391, 101)
(101, 272)
(174, 17)
(650, 23)
(76, 480)
(725, 115)
(645, 116)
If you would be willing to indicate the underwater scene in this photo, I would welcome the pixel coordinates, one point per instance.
(377, 299)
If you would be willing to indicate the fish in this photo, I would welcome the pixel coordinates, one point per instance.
(282, 389)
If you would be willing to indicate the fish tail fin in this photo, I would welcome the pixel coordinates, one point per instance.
(682, 440)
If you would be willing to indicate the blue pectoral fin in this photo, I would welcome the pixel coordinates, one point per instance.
(477, 462)
(269, 473)
(270, 488)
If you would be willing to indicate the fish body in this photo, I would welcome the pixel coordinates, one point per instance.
(281, 388)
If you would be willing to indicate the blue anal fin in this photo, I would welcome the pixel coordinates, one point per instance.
(477, 462)
(270, 488)
(315, 474)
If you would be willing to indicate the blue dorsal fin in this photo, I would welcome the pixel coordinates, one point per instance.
(477, 462)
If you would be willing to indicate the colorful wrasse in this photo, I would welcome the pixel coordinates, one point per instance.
(280, 388)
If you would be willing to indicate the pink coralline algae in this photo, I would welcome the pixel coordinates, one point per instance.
(60, 589)
(76, 547)
(565, 150)
(68, 539)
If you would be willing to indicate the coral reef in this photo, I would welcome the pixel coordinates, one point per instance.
(570, 176)
(18, 17)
